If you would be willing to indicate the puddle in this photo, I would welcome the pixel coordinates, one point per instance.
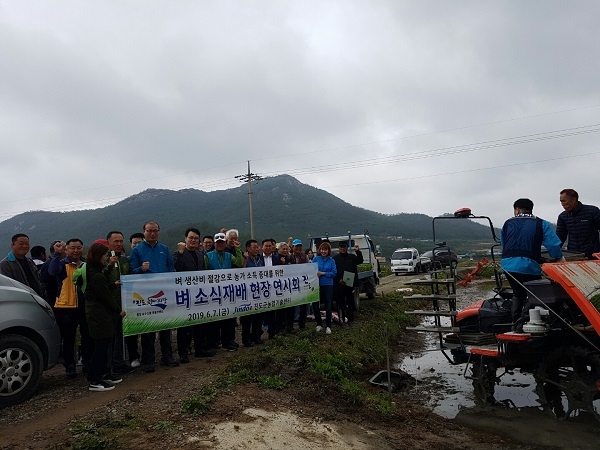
(448, 391)
(516, 413)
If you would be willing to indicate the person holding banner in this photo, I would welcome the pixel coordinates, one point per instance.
(150, 256)
(271, 258)
(217, 259)
(188, 258)
(252, 324)
(297, 257)
(326, 272)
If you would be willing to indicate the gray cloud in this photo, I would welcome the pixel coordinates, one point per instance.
(102, 101)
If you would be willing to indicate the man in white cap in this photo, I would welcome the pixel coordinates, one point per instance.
(218, 259)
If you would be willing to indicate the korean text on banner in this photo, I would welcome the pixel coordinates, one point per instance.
(162, 301)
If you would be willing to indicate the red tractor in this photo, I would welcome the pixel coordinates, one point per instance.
(559, 345)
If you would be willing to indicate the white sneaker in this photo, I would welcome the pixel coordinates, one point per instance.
(135, 363)
(319, 328)
(327, 330)
(101, 386)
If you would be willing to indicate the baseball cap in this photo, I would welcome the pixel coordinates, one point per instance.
(220, 237)
(343, 244)
(296, 242)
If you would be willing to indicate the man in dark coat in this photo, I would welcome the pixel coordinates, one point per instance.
(579, 223)
(343, 290)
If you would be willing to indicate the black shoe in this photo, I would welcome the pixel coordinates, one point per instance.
(112, 379)
(171, 362)
(230, 347)
(205, 353)
(184, 360)
(101, 386)
(123, 369)
(150, 368)
(248, 343)
(235, 344)
(71, 371)
(257, 341)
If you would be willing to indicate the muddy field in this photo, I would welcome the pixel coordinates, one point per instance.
(145, 411)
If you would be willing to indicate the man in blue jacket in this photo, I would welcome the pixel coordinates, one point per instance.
(150, 256)
(522, 238)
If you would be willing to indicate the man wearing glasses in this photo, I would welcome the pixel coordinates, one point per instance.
(150, 256)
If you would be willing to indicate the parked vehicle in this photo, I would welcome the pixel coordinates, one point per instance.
(408, 260)
(441, 258)
(560, 342)
(368, 271)
(29, 341)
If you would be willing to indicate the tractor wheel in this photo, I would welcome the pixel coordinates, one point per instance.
(568, 382)
(484, 381)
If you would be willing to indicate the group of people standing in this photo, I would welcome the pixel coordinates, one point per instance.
(85, 293)
(524, 234)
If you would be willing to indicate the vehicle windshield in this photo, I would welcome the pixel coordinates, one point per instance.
(405, 254)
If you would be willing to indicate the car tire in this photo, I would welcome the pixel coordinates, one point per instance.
(21, 366)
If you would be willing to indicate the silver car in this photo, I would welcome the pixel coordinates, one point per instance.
(29, 341)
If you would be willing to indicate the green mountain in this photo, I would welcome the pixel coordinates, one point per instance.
(282, 207)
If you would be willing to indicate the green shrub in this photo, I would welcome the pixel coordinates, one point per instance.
(201, 403)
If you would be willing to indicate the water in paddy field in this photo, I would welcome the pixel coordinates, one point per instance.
(516, 413)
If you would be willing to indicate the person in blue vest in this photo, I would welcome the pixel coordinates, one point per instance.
(522, 238)
(150, 256)
(218, 259)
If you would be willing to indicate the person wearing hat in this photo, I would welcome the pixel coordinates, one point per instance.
(218, 259)
(343, 292)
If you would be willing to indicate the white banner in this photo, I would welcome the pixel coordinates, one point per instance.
(162, 301)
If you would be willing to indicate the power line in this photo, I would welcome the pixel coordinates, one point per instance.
(443, 151)
(460, 172)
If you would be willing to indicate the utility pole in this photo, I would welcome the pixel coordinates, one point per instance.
(249, 178)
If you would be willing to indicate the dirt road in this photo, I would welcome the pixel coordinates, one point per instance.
(145, 411)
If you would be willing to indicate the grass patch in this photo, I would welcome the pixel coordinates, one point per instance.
(103, 434)
(338, 364)
(201, 403)
(273, 382)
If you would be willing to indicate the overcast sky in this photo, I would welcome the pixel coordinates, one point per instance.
(393, 106)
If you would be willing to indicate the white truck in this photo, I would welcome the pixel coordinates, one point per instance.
(368, 271)
(408, 260)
